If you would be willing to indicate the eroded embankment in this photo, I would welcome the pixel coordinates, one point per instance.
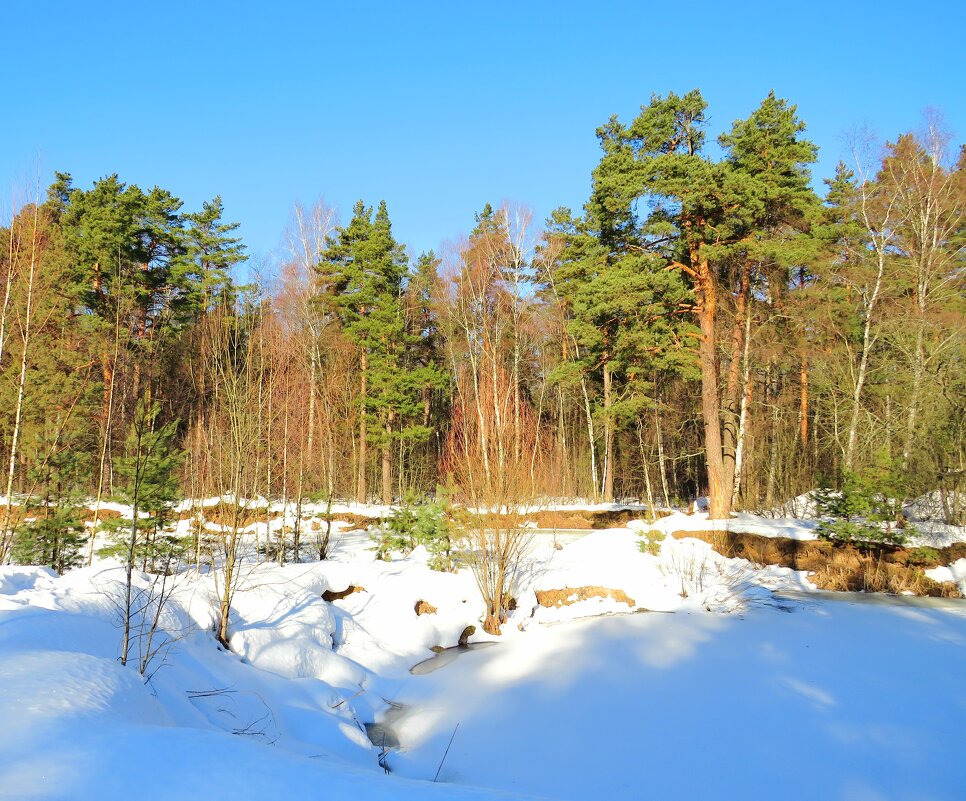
(842, 566)
(226, 514)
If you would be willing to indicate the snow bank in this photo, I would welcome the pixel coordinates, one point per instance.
(15, 579)
(280, 623)
(791, 528)
(80, 726)
(954, 572)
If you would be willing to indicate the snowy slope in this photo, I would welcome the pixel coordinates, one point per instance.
(78, 725)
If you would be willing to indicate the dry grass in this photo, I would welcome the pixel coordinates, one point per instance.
(577, 519)
(571, 595)
(841, 566)
(228, 515)
(102, 514)
(17, 514)
(873, 574)
(223, 514)
(357, 522)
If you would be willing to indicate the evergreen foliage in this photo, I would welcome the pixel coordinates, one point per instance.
(365, 270)
(419, 522)
(149, 484)
(705, 324)
(866, 509)
(51, 536)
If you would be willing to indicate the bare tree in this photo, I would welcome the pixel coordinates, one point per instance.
(930, 194)
(495, 482)
(236, 371)
(23, 263)
(878, 213)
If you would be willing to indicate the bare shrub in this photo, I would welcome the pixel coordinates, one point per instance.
(716, 583)
(490, 460)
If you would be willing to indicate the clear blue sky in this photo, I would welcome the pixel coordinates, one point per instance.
(436, 107)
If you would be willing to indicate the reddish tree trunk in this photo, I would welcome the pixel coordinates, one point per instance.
(361, 494)
(719, 482)
(803, 401)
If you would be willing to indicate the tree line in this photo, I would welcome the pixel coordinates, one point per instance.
(708, 324)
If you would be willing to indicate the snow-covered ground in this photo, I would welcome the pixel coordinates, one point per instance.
(931, 533)
(827, 700)
(715, 688)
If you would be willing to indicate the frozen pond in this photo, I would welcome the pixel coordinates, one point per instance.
(866, 701)
(877, 599)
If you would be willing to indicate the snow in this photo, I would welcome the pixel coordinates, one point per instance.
(791, 528)
(954, 572)
(78, 725)
(930, 506)
(928, 533)
(706, 666)
(15, 579)
(836, 701)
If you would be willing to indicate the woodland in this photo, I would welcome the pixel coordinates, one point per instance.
(710, 324)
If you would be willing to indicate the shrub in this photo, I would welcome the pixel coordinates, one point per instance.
(427, 523)
(865, 512)
(651, 542)
(52, 536)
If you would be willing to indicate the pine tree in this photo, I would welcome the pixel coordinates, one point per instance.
(702, 216)
(774, 258)
(366, 269)
(623, 308)
(53, 532)
(423, 352)
(212, 251)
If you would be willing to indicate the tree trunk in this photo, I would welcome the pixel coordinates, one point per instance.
(853, 435)
(743, 416)
(647, 474)
(387, 463)
(129, 565)
(733, 391)
(719, 481)
(918, 378)
(803, 402)
(608, 439)
(771, 394)
(311, 422)
(661, 461)
(5, 536)
(8, 286)
(361, 494)
(880, 235)
(591, 439)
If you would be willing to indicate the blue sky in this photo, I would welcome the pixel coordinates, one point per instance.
(436, 107)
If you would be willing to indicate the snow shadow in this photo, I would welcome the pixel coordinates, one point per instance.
(841, 700)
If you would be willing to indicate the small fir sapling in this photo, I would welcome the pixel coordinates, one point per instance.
(427, 523)
(867, 510)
